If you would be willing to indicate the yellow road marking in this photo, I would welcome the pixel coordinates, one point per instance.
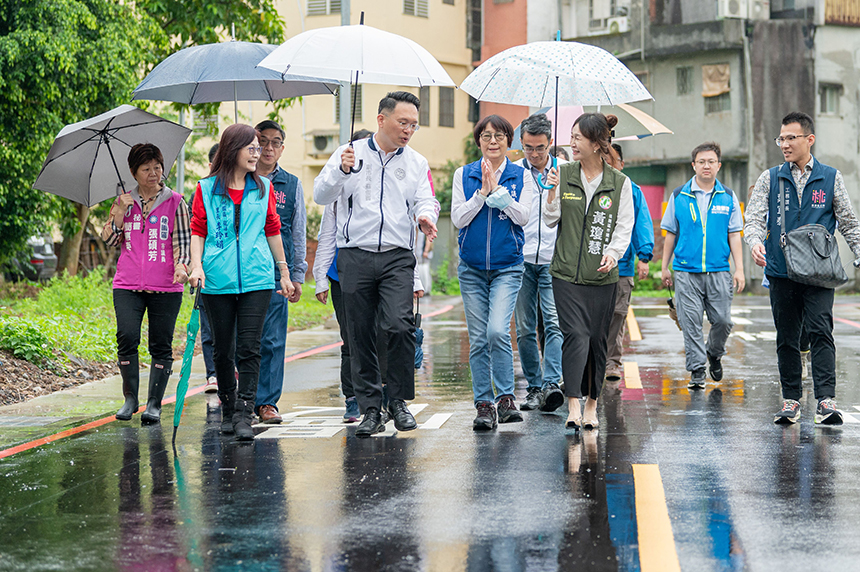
(631, 375)
(656, 542)
(633, 326)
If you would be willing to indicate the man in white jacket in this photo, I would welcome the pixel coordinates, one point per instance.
(382, 187)
(536, 292)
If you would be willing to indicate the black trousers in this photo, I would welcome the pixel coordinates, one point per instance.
(237, 325)
(343, 324)
(378, 286)
(584, 315)
(161, 309)
(794, 307)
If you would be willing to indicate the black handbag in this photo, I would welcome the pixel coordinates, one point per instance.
(811, 253)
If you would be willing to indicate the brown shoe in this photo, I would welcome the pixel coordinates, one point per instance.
(269, 415)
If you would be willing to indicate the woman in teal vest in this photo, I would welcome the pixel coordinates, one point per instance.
(235, 232)
(593, 208)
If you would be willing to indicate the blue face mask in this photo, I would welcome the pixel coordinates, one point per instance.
(500, 199)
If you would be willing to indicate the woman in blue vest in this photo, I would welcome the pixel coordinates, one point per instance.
(593, 208)
(490, 205)
(235, 232)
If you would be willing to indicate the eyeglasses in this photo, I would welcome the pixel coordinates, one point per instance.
(787, 139)
(255, 150)
(499, 136)
(275, 143)
(703, 162)
(540, 149)
(406, 126)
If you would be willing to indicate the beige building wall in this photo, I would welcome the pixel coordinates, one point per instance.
(442, 33)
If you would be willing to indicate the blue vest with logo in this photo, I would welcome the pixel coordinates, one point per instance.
(236, 264)
(816, 208)
(702, 246)
(285, 203)
(492, 241)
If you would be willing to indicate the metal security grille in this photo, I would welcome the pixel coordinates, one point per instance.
(416, 8)
(323, 7)
(446, 107)
(424, 110)
(684, 80)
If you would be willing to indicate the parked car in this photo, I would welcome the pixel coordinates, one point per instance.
(40, 263)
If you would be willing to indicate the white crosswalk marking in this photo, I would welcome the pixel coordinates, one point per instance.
(744, 336)
(308, 422)
(848, 418)
(741, 321)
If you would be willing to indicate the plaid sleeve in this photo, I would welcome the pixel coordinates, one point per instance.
(182, 235)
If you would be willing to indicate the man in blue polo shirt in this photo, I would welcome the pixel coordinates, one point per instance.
(703, 224)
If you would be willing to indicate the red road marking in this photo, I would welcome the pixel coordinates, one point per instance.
(172, 399)
(849, 322)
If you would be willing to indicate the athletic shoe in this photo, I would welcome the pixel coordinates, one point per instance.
(508, 412)
(211, 385)
(532, 401)
(486, 418)
(551, 398)
(827, 414)
(613, 373)
(697, 380)
(790, 413)
(352, 414)
(804, 364)
(715, 367)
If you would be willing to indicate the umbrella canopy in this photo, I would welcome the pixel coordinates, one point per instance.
(224, 72)
(88, 161)
(633, 123)
(532, 74)
(187, 357)
(337, 53)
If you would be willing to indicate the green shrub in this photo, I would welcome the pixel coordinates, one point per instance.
(25, 340)
(443, 283)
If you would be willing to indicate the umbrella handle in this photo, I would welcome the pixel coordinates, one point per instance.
(196, 297)
(540, 177)
(354, 170)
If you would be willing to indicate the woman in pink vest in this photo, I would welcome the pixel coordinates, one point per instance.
(150, 225)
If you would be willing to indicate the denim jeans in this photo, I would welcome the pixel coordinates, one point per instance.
(537, 291)
(488, 300)
(272, 348)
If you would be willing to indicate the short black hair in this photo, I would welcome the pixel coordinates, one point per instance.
(538, 124)
(269, 124)
(805, 121)
(557, 151)
(392, 98)
(144, 153)
(617, 148)
(212, 151)
(499, 123)
(361, 134)
(707, 146)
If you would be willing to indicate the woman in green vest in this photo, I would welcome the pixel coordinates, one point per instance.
(593, 208)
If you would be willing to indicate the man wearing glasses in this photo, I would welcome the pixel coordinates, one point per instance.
(290, 204)
(815, 194)
(703, 222)
(382, 187)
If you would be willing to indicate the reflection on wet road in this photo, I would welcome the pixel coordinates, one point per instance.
(671, 481)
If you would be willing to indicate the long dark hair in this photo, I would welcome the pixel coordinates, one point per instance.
(234, 138)
(597, 128)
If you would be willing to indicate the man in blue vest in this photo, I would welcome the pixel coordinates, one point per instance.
(290, 204)
(703, 224)
(816, 195)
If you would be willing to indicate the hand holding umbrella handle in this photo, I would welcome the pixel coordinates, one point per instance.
(540, 177)
(857, 263)
(354, 170)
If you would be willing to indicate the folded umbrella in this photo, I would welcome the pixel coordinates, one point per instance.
(187, 358)
(419, 337)
(673, 311)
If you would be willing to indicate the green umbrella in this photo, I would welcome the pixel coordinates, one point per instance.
(182, 387)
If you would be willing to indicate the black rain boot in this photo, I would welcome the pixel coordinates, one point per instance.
(228, 406)
(159, 374)
(242, 420)
(129, 369)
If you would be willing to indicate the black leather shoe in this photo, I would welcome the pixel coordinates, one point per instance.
(551, 398)
(715, 365)
(403, 419)
(371, 424)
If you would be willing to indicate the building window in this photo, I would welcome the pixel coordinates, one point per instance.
(502, 1)
(474, 110)
(474, 29)
(684, 80)
(451, 2)
(415, 8)
(357, 92)
(718, 103)
(424, 110)
(829, 93)
(323, 7)
(446, 107)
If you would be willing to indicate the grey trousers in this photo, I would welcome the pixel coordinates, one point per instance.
(619, 318)
(698, 293)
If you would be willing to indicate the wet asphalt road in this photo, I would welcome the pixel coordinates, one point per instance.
(740, 493)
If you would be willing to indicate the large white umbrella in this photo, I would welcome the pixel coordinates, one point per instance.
(358, 54)
(88, 161)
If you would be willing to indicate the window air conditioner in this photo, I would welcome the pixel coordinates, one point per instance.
(733, 9)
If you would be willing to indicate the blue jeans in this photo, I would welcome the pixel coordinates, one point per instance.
(272, 348)
(488, 300)
(537, 290)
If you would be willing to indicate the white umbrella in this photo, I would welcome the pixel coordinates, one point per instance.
(84, 162)
(358, 54)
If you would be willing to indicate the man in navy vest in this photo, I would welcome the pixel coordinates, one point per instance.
(290, 204)
(703, 224)
(815, 194)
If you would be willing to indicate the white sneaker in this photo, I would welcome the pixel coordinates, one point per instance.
(211, 385)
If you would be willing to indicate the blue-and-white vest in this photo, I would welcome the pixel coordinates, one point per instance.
(702, 246)
(285, 185)
(492, 241)
(816, 208)
(236, 264)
